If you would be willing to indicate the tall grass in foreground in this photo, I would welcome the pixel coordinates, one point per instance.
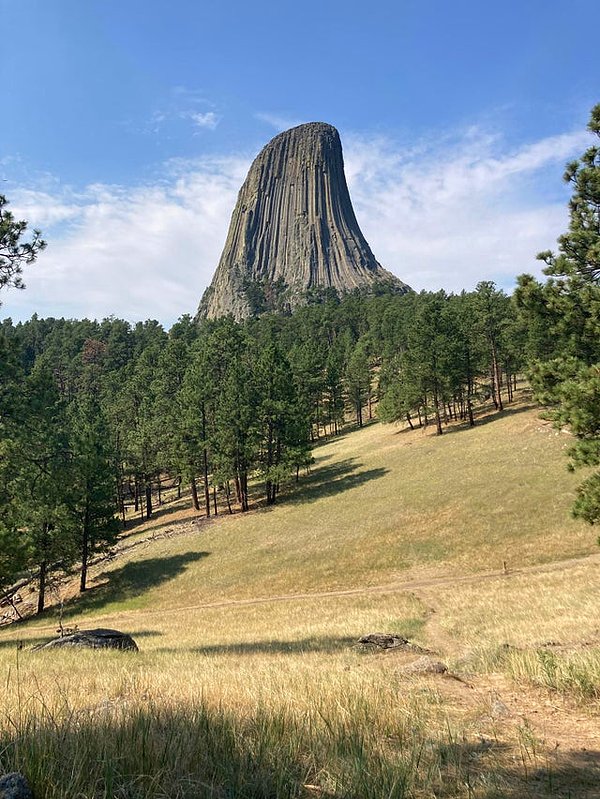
(381, 742)
(574, 674)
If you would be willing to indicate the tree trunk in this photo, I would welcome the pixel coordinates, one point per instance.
(409, 420)
(497, 378)
(120, 499)
(509, 391)
(85, 549)
(436, 406)
(243, 478)
(206, 485)
(469, 403)
(42, 593)
(148, 500)
(205, 465)
(215, 500)
(195, 500)
(470, 412)
(359, 418)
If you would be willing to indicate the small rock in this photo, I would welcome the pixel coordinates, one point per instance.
(425, 665)
(93, 639)
(14, 786)
(499, 709)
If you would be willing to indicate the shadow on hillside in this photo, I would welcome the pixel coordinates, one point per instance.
(487, 416)
(325, 645)
(133, 579)
(491, 416)
(159, 514)
(326, 481)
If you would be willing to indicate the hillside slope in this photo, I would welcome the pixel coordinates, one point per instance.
(463, 544)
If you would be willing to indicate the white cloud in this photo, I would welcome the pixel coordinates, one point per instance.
(139, 253)
(441, 214)
(208, 120)
(452, 213)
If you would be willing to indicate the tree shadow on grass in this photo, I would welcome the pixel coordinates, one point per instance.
(327, 481)
(159, 514)
(491, 416)
(323, 644)
(533, 775)
(132, 580)
(482, 417)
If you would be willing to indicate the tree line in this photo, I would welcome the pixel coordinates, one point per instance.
(100, 418)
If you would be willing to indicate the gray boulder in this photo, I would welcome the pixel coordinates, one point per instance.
(384, 641)
(93, 639)
(14, 786)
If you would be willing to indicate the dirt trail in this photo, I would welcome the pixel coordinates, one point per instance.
(397, 586)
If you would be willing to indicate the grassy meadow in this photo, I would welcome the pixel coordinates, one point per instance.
(249, 682)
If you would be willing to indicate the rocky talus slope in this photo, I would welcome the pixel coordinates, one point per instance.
(293, 228)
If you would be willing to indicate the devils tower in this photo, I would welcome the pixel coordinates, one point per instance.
(293, 228)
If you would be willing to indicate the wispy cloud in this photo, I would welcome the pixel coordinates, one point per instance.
(146, 252)
(208, 120)
(180, 105)
(453, 212)
(278, 121)
(441, 214)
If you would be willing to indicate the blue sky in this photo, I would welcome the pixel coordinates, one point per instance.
(128, 128)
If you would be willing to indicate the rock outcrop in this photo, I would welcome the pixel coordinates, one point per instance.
(384, 641)
(293, 229)
(93, 639)
(388, 641)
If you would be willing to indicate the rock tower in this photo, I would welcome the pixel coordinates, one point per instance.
(293, 229)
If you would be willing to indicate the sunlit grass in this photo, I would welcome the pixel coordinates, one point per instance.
(249, 682)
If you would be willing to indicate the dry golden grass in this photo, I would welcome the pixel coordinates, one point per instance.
(248, 683)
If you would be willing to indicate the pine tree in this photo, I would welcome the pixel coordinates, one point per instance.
(282, 421)
(358, 379)
(93, 498)
(569, 382)
(14, 252)
(13, 546)
(44, 482)
(491, 314)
